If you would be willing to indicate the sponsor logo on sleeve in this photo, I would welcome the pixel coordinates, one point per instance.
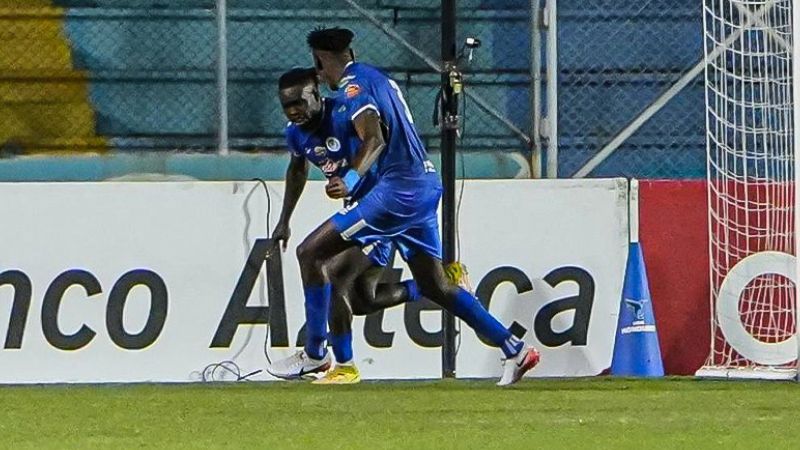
(352, 90)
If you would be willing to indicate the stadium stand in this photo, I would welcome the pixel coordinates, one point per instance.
(136, 75)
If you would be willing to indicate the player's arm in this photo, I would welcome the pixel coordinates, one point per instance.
(296, 177)
(368, 127)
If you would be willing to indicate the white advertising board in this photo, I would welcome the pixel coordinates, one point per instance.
(136, 282)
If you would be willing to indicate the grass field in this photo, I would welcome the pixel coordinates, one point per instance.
(546, 414)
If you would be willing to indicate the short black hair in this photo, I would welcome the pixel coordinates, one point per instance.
(295, 77)
(330, 39)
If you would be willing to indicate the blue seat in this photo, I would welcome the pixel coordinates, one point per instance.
(152, 66)
(462, 5)
(201, 4)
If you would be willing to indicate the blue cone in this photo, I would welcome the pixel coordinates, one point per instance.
(636, 350)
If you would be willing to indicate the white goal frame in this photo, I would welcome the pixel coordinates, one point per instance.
(725, 316)
(796, 88)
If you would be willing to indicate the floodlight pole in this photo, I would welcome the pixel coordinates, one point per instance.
(450, 124)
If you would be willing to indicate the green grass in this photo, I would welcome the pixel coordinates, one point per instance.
(546, 414)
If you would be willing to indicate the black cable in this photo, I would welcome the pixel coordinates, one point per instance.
(217, 371)
(275, 247)
(209, 373)
(463, 173)
(269, 202)
(438, 103)
(461, 197)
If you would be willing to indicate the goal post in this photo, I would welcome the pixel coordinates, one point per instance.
(750, 123)
(796, 110)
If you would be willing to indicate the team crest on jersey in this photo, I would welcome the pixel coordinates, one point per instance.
(352, 90)
(333, 144)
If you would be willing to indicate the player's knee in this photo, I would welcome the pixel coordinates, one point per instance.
(338, 275)
(305, 253)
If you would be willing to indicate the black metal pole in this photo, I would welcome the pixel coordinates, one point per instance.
(449, 135)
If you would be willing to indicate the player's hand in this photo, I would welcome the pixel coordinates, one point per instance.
(336, 188)
(282, 234)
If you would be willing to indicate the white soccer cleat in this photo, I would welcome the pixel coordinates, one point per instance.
(299, 366)
(516, 366)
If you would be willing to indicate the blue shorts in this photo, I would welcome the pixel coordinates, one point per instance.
(380, 252)
(401, 211)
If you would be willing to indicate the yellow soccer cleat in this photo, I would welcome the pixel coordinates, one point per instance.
(341, 374)
(457, 273)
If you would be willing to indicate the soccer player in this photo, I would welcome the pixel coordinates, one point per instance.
(355, 272)
(402, 204)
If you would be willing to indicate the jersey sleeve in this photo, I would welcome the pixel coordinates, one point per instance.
(359, 100)
(292, 141)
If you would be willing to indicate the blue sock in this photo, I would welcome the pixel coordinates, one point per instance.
(470, 310)
(318, 301)
(413, 290)
(512, 346)
(342, 347)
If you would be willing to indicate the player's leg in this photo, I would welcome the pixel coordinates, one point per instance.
(371, 295)
(429, 273)
(359, 297)
(344, 271)
(434, 284)
(354, 275)
(319, 247)
(420, 246)
(347, 229)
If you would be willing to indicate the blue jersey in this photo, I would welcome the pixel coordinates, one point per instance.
(364, 87)
(334, 156)
(331, 153)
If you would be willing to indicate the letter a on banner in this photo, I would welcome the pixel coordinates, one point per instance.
(636, 349)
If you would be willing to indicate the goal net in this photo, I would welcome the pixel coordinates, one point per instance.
(751, 169)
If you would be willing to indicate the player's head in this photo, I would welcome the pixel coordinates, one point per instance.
(299, 95)
(331, 50)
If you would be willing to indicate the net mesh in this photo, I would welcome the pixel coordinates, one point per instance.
(750, 168)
